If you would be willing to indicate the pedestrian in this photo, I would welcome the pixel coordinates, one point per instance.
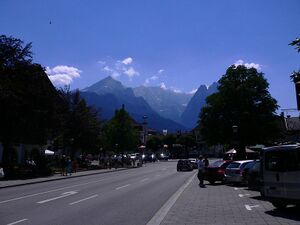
(69, 167)
(63, 165)
(75, 165)
(206, 161)
(200, 165)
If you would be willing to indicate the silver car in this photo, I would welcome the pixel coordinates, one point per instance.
(233, 172)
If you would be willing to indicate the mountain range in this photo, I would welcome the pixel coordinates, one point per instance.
(164, 108)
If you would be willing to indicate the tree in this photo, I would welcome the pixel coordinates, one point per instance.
(296, 43)
(80, 125)
(154, 143)
(27, 98)
(120, 134)
(242, 100)
(295, 76)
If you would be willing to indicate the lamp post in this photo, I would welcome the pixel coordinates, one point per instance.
(145, 129)
(235, 129)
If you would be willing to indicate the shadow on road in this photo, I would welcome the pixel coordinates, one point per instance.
(291, 213)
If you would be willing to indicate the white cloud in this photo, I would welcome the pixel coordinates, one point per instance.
(62, 75)
(130, 72)
(160, 71)
(193, 91)
(163, 86)
(116, 68)
(127, 61)
(147, 81)
(248, 65)
(154, 77)
(177, 91)
(102, 63)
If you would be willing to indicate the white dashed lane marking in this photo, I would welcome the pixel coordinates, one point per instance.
(118, 188)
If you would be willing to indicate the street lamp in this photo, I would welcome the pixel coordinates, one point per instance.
(145, 129)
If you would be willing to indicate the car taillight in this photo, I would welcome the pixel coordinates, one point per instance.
(238, 171)
(220, 171)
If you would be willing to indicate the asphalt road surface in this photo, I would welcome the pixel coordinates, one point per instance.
(126, 197)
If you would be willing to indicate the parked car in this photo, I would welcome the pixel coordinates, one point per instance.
(184, 165)
(253, 177)
(246, 171)
(281, 175)
(193, 162)
(233, 172)
(215, 171)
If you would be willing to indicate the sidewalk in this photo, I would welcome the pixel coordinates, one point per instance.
(14, 183)
(225, 205)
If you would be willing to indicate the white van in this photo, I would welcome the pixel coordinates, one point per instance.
(281, 175)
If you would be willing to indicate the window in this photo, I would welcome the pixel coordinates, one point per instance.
(274, 161)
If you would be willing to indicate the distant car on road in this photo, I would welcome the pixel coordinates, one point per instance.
(234, 171)
(184, 165)
(215, 171)
(194, 162)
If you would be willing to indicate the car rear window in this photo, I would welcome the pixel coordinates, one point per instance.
(245, 164)
(217, 163)
(233, 165)
(248, 165)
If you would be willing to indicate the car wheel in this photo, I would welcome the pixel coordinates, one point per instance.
(212, 181)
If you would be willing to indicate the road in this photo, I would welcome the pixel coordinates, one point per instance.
(126, 197)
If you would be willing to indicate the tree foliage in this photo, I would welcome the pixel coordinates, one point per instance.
(80, 124)
(243, 100)
(27, 97)
(296, 43)
(295, 76)
(120, 135)
(154, 143)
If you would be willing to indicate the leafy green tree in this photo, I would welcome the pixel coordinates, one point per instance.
(27, 98)
(120, 135)
(242, 100)
(81, 127)
(296, 43)
(154, 143)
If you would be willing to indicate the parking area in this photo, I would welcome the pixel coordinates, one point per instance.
(223, 204)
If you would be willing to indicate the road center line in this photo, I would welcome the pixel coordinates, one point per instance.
(118, 188)
(46, 192)
(84, 199)
(19, 221)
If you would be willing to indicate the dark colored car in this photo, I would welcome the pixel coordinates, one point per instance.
(184, 165)
(253, 177)
(215, 171)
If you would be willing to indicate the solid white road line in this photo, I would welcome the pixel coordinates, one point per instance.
(118, 188)
(46, 192)
(63, 195)
(163, 211)
(81, 200)
(144, 180)
(19, 221)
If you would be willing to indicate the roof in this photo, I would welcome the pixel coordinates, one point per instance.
(282, 147)
(242, 161)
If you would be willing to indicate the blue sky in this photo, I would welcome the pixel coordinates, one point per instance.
(176, 44)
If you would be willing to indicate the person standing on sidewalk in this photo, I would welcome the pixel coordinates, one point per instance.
(206, 161)
(201, 166)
